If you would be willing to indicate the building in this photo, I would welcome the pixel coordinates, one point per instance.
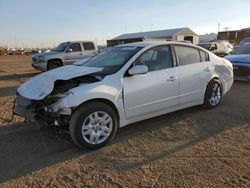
(179, 34)
(208, 37)
(235, 36)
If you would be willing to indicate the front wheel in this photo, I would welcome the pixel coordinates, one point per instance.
(54, 64)
(213, 94)
(93, 125)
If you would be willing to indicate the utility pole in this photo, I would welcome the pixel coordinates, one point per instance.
(218, 27)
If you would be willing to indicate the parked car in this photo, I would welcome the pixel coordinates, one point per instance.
(64, 54)
(219, 48)
(122, 85)
(32, 52)
(241, 62)
(17, 52)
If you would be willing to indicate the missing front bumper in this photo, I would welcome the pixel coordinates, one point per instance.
(22, 107)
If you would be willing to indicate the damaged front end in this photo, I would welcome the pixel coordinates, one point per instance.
(39, 111)
(44, 110)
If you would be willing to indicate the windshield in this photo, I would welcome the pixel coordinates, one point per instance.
(61, 47)
(243, 49)
(206, 46)
(112, 59)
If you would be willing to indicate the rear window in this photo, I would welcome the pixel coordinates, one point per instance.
(187, 55)
(204, 56)
(88, 46)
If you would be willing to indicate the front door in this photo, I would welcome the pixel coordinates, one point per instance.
(154, 91)
(74, 53)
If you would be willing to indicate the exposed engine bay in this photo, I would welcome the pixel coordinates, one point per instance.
(42, 111)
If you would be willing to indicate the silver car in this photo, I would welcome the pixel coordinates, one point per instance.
(65, 53)
(122, 85)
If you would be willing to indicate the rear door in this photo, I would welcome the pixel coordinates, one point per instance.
(194, 73)
(88, 49)
(73, 53)
(154, 91)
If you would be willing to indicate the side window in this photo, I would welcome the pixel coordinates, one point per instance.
(203, 56)
(148, 56)
(76, 47)
(187, 55)
(88, 46)
(157, 58)
(207, 57)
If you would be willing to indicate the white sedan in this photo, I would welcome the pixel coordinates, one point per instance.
(123, 85)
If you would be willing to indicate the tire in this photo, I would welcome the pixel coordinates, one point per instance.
(54, 64)
(213, 94)
(85, 126)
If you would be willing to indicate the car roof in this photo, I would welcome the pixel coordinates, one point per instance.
(155, 43)
(80, 41)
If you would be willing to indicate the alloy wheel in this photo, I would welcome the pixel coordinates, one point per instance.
(215, 97)
(97, 127)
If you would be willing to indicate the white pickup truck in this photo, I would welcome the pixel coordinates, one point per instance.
(219, 48)
(65, 53)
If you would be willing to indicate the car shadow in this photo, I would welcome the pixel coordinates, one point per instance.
(25, 149)
(8, 91)
(20, 78)
(17, 76)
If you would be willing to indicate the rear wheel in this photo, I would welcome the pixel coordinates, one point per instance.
(93, 125)
(54, 64)
(213, 94)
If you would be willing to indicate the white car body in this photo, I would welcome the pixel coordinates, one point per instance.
(136, 97)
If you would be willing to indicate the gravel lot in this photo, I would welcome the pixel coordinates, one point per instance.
(189, 148)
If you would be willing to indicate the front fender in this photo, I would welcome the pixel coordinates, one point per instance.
(87, 92)
(76, 97)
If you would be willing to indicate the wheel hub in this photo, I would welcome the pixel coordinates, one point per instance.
(97, 127)
(215, 94)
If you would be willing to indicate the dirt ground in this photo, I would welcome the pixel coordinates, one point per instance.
(189, 148)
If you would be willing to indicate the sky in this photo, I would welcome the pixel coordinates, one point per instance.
(45, 23)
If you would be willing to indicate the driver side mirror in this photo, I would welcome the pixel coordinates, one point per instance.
(70, 50)
(138, 69)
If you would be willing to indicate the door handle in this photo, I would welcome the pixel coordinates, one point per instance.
(171, 79)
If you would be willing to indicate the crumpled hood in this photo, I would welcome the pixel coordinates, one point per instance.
(244, 58)
(42, 85)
